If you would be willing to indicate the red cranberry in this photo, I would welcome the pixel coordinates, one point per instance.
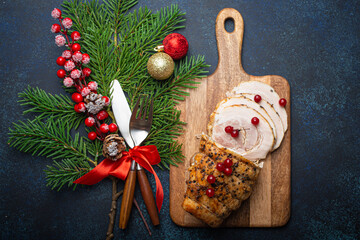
(211, 179)
(60, 61)
(102, 115)
(228, 163)
(92, 136)
(61, 73)
(228, 171)
(220, 166)
(75, 47)
(282, 102)
(210, 192)
(113, 127)
(104, 128)
(76, 97)
(229, 129)
(255, 121)
(89, 122)
(235, 133)
(257, 98)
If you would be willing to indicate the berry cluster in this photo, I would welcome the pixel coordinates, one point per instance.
(74, 75)
(226, 168)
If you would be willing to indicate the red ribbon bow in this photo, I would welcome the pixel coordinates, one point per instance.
(144, 155)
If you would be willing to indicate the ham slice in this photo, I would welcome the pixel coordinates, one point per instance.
(267, 93)
(253, 142)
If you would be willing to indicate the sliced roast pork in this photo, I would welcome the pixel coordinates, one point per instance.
(254, 141)
(267, 93)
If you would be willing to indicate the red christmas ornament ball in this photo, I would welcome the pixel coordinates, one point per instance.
(113, 127)
(92, 136)
(76, 97)
(61, 73)
(60, 61)
(176, 45)
(75, 47)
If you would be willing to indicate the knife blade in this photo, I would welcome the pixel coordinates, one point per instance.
(122, 112)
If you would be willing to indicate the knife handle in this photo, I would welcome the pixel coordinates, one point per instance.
(127, 199)
(148, 196)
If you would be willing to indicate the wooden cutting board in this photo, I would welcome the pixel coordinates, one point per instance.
(269, 204)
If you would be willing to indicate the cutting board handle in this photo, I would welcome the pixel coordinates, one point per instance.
(229, 43)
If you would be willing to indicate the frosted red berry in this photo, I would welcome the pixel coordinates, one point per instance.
(85, 58)
(68, 82)
(282, 102)
(227, 171)
(61, 73)
(85, 91)
(89, 121)
(75, 35)
(235, 133)
(257, 98)
(67, 23)
(93, 86)
(107, 100)
(69, 65)
(228, 162)
(76, 97)
(210, 192)
(220, 166)
(75, 47)
(113, 127)
(56, 13)
(102, 115)
(77, 56)
(104, 128)
(55, 28)
(60, 40)
(76, 108)
(92, 136)
(229, 129)
(60, 61)
(81, 106)
(86, 72)
(211, 179)
(75, 73)
(66, 54)
(255, 121)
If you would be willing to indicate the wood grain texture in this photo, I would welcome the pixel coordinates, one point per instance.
(269, 204)
(127, 199)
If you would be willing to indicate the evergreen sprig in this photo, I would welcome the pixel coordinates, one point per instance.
(119, 44)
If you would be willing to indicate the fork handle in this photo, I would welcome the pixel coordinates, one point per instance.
(148, 196)
(127, 199)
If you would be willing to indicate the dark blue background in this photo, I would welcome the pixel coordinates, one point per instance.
(313, 44)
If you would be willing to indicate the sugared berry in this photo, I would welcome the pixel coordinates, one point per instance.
(228, 163)
(68, 82)
(113, 127)
(228, 171)
(257, 98)
(56, 13)
(255, 121)
(76, 108)
(102, 115)
(229, 129)
(76, 97)
(104, 128)
(69, 65)
(85, 58)
(61, 73)
(85, 91)
(66, 54)
(89, 121)
(92, 136)
(60, 61)
(60, 40)
(93, 86)
(55, 28)
(210, 192)
(220, 166)
(235, 133)
(282, 102)
(211, 179)
(107, 100)
(67, 23)
(86, 72)
(77, 56)
(75, 74)
(81, 106)
(75, 47)
(75, 35)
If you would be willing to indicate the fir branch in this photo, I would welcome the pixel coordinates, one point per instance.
(58, 107)
(51, 139)
(65, 173)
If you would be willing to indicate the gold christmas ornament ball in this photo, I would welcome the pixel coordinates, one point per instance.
(160, 66)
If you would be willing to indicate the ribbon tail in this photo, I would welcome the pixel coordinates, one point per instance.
(97, 174)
